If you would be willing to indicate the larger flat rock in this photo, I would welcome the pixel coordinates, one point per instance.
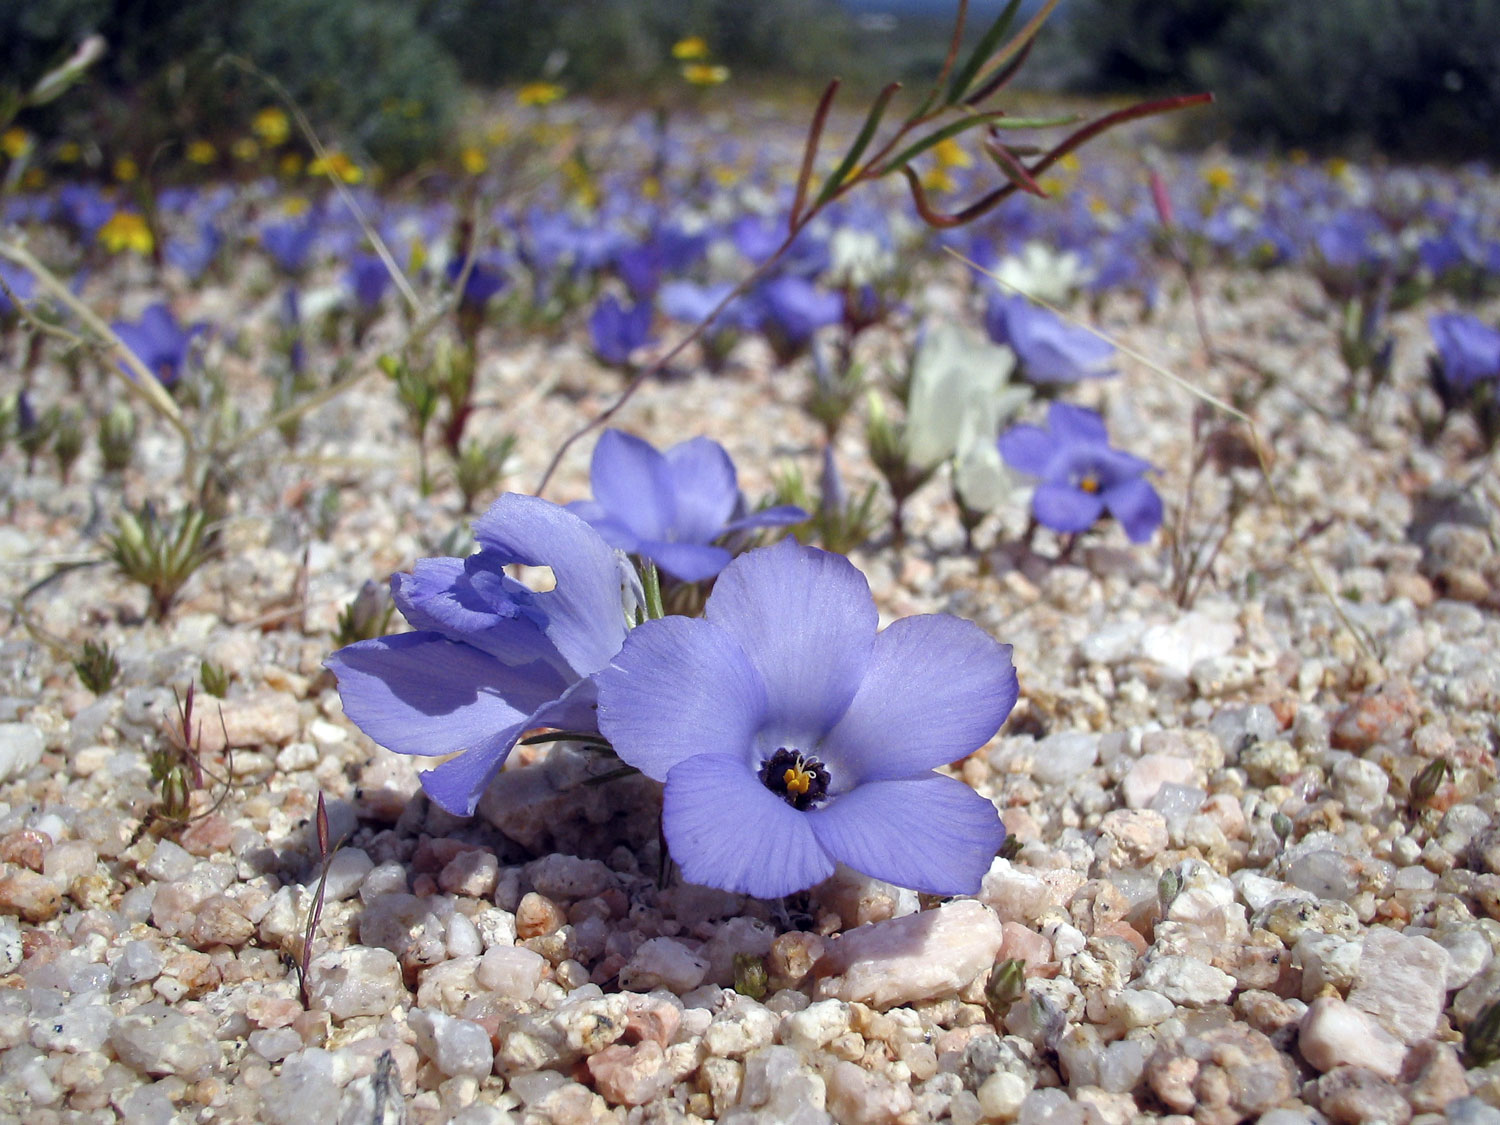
(918, 957)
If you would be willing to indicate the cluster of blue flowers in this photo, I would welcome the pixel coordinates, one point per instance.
(790, 733)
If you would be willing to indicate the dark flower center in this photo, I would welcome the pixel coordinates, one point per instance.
(798, 780)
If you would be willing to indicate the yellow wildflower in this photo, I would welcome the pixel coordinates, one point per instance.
(694, 48)
(336, 164)
(127, 170)
(702, 74)
(939, 179)
(127, 230)
(15, 142)
(69, 152)
(290, 164)
(34, 179)
(951, 154)
(202, 152)
(473, 160)
(272, 126)
(246, 149)
(1218, 177)
(539, 93)
(296, 205)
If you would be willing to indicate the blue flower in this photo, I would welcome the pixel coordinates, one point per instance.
(20, 282)
(1468, 350)
(795, 310)
(1082, 475)
(670, 507)
(368, 279)
(490, 659)
(618, 330)
(1049, 349)
(290, 244)
(792, 736)
(158, 341)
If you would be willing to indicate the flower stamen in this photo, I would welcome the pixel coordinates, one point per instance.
(798, 779)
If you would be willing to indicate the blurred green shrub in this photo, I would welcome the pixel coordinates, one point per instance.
(1416, 78)
(365, 72)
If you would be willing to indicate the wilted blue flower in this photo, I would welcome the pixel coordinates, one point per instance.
(1050, 350)
(490, 659)
(670, 507)
(1082, 475)
(793, 736)
(158, 341)
(1468, 350)
(617, 330)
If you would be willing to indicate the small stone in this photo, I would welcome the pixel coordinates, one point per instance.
(740, 1030)
(28, 895)
(473, 872)
(1059, 758)
(1133, 837)
(857, 1097)
(511, 971)
(630, 1075)
(1402, 983)
(1222, 1075)
(663, 963)
(1186, 981)
(156, 1040)
(919, 957)
(1435, 1075)
(221, 921)
(1001, 1094)
(21, 746)
(1181, 644)
(455, 1046)
(1386, 714)
(1150, 772)
(1354, 1095)
(347, 870)
(358, 981)
(567, 878)
(792, 957)
(169, 862)
(1334, 1034)
(1361, 785)
(261, 718)
(537, 916)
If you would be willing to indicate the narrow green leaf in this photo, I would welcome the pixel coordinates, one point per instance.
(964, 77)
(937, 137)
(1023, 37)
(861, 142)
(810, 153)
(1036, 122)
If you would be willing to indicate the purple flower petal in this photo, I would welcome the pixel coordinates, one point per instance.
(584, 617)
(457, 784)
(1137, 506)
(725, 829)
(806, 621)
(1028, 449)
(937, 688)
(705, 488)
(687, 562)
(930, 833)
(633, 483)
(782, 515)
(679, 687)
(1076, 424)
(1065, 508)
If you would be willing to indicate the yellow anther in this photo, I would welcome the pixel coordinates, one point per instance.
(1089, 483)
(798, 780)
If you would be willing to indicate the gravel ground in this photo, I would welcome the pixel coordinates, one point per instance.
(1229, 902)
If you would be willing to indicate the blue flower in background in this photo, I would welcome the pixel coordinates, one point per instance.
(158, 341)
(486, 278)
(1082, 475)
(368, 279)
(1468, 350)
(670, 507)
(490, 658)
(795, 309)
(617, 330)
(792, 736)
(20, 282)
(1048, 348)
(290, 244)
